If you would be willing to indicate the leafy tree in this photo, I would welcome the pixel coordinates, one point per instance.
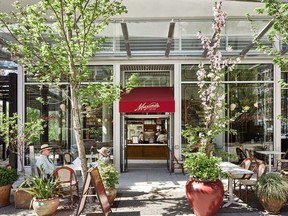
(279, 12)
(19, 136)
(54, 40)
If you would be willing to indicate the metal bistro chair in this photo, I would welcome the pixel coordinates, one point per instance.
(246, 164)
(241, 155)
(283, 162)
(68, 181)
(260, 169)
(249, 154)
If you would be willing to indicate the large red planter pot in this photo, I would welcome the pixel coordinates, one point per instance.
(205, 197)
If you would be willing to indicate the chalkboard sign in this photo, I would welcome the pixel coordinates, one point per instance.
(93, 175)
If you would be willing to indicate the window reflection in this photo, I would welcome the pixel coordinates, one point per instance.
(248, 93)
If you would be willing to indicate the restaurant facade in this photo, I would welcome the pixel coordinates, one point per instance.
(157, 41)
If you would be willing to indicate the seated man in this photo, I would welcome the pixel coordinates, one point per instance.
(44, 163)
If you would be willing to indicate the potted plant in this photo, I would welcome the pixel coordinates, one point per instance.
(8, 176)
(45, 194)
(272, 191)
(204, 183)
(110, 177)
(20, 136)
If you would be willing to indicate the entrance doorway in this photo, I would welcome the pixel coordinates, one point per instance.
(147, 141)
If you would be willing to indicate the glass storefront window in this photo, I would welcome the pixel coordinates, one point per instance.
(51, 103)
(52, 108)
(253, 106)
(253, 102)
(284, 113)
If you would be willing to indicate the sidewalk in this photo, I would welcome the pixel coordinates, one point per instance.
(149, 189)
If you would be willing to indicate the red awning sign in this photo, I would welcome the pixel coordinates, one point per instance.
(148, 99)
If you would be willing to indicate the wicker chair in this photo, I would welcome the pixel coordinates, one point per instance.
(68, 181)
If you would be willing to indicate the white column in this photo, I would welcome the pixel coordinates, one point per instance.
(20, 103)
(116, 124)
(177, 114)
(277, 109)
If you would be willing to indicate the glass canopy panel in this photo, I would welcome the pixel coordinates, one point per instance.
(243, 27)
(191, 28)
(146, 36)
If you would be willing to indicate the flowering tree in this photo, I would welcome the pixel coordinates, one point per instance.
(211, 89)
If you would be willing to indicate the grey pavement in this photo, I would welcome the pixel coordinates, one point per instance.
(149, 189)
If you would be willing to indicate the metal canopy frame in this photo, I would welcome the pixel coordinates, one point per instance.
(258, 37)
(126, 38)
(170, 38)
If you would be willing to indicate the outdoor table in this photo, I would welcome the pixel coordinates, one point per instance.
(76, 164)
(92, 158)
(232, 169)
(270, 153)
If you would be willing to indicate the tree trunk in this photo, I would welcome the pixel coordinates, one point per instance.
(77, 129)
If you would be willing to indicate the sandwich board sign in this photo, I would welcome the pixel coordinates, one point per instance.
(93, 179)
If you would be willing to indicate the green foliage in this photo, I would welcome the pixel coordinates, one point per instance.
(272, 185)
(42, 188)
(278, 10)
(109, 175)
(7, 176)
(55, 39)
(203, 167)
(12, 131)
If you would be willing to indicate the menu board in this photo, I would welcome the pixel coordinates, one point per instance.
(93, 175)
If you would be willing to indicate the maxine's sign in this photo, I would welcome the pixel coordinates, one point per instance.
(147, 107)
(148, 100)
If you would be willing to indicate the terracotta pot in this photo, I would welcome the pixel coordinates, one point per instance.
(205, 197)
(45, 207)
(111, 195)
(5, 195)
(271, 205)
(22, 199)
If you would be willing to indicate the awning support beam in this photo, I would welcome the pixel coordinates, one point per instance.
(170, 38)
(258, 37)
(126, 38)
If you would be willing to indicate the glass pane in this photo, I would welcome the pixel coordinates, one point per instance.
(52, 108)
(253, 72)
(192, 111)
(151, 78)
(255, 124)
(284, 114)
(237, 27)
(99, 73)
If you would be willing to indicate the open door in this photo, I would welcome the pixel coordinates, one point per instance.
(123, 146)
(170, 144)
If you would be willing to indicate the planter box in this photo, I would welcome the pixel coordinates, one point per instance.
(22, 199)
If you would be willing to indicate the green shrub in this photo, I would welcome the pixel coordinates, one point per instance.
(272, 185)
(7, 176)
(109, 175)
(203, 167)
